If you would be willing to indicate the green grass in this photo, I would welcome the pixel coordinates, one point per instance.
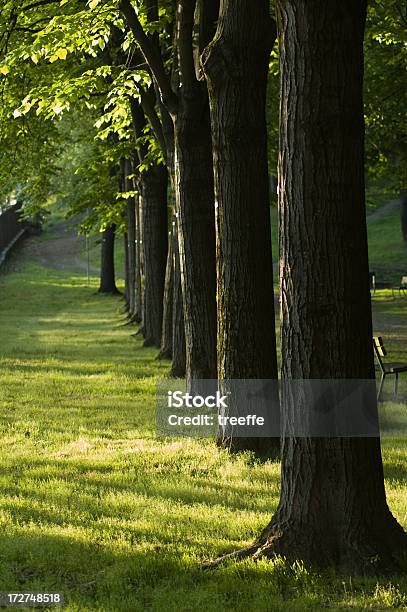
(378, 192)
(94, 254)
(92, 504)
(387, 252)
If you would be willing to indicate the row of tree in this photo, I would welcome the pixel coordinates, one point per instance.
(178, 93)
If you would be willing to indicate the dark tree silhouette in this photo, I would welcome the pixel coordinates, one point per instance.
(236, 66)
(107, 272)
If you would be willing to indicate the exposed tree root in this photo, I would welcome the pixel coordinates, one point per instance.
(243, 553)
(109, 292)
(372, 558)
(164, 354)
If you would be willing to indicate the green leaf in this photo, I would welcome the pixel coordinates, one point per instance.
(61, 53)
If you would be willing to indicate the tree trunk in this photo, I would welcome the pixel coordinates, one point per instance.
(185, 98)
(173, 336)
(155, 248)
(107, 274)
(333, 508)
(126, 273)
(138, 291)
(131, 246)
(166, 335)
(236, 68)
(178, 368)
(403, 205)
(196, 233)
(195, 191)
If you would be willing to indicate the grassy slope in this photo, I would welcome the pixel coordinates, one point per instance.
(387, 252)
(93, 505)
(388, 255)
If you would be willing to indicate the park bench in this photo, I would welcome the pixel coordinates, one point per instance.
(386, 367)
(402, 288)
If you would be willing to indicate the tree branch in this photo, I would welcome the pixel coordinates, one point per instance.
(151, 55)
(184, 38)
(148, 98)
(147, 105)
(139, 121)
(206, 17)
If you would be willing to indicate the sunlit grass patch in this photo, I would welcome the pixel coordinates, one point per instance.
(93, 504)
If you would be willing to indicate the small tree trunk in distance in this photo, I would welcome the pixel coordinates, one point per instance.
(178, 368)
(107, 274)
(173, 336)
(332, 509)
(166, 335)
(131, 245)
(403, 205)
(236, 69)
(138, 300)
(126, 272)
(139, 122)
(155, 248)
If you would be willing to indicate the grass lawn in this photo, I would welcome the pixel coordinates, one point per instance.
(92, 504)
(387, 252)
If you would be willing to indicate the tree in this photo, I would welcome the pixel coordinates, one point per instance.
(152, 182)
(236, 68)
(403, 203)
(130, 246)
(188, 106)
(107, 271)
(333, 508)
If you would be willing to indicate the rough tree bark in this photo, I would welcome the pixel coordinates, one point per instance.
(236, 69)
(107, 273)
(131, 245)
(178, 367)
(155, 246)
(173, 338)
(152, 185)
(126, 273)
(138, 299)
(195, 192)
(403, 205)
(172, 345)
(333, 508)
(196, 232)
(173, 333)
(166, 334)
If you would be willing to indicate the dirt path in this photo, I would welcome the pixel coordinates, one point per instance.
(60, 248)
(383, 211)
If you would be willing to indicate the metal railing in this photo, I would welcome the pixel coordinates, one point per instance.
(12, 228)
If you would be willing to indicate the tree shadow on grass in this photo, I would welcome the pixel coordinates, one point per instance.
(87, 574)
(95, 481)
(93, 576)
